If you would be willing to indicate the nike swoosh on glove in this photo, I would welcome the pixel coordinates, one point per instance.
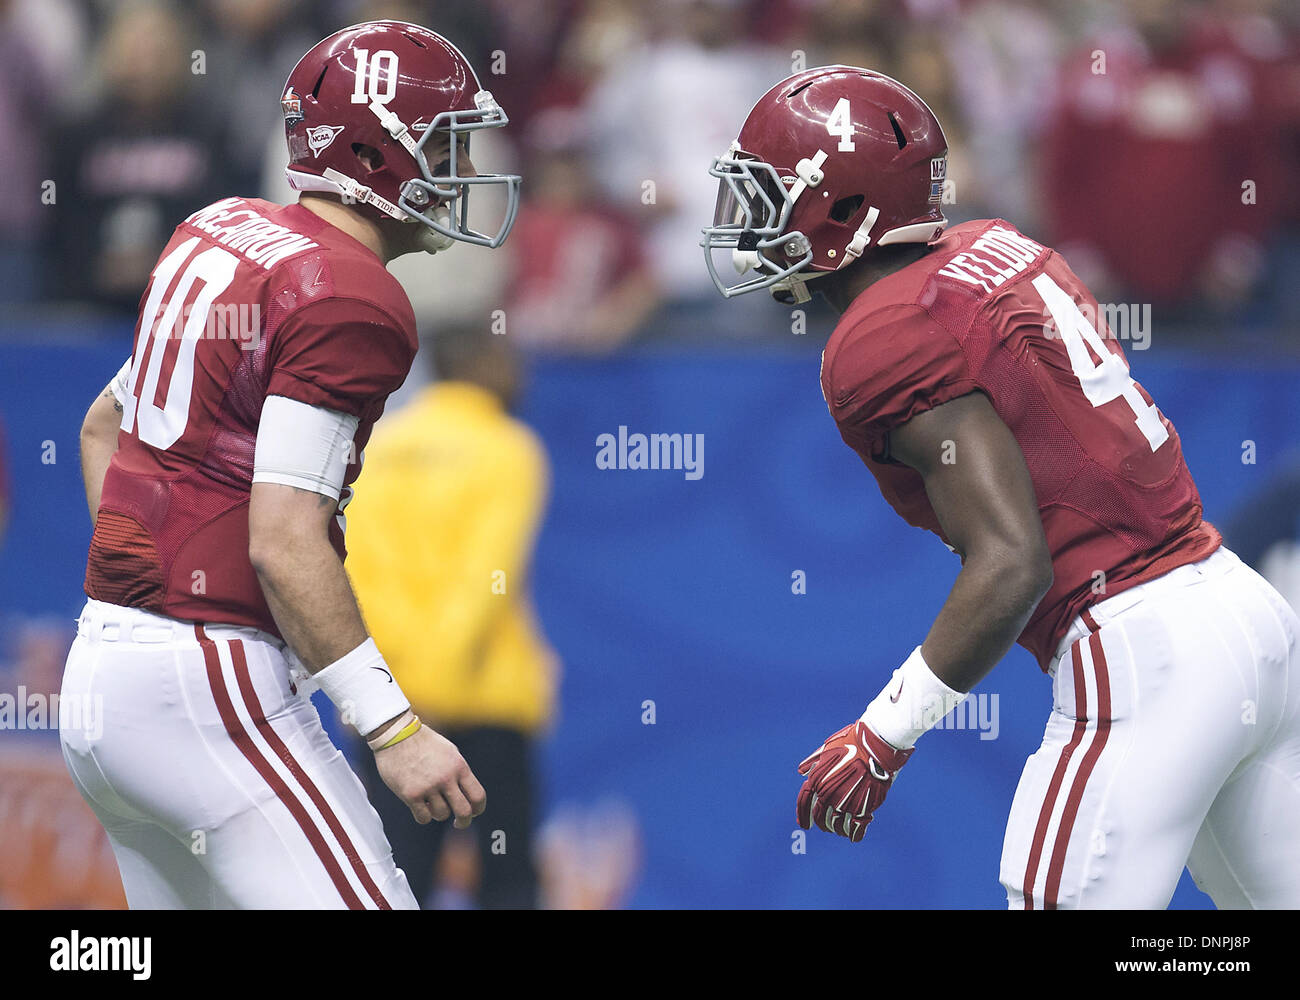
(847, 780)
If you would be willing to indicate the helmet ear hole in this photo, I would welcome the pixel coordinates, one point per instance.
(371, 158)
(844, 209)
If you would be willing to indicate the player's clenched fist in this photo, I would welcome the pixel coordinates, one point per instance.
(427, 772)
(847, 779)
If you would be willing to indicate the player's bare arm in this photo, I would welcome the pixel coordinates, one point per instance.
(313, 604)
(301, 576)
(982, 495)
(977, 483)
(98, 442)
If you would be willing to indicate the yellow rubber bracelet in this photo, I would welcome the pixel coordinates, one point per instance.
(397, 725)
(410, 729)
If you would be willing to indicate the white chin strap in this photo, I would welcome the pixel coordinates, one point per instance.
(336, 182)
(862, 238)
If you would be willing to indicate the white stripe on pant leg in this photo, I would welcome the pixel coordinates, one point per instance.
(1077, 847)
(1026, 804)
(1085, 668)
(1089, 673)
(373, 875)
(1031, 794)
(292, 782)
(1111, 760)
(274, 822)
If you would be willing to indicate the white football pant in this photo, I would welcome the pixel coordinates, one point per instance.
(1174, 740)
(213, 776)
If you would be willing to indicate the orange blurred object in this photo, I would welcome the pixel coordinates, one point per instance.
(57, 856)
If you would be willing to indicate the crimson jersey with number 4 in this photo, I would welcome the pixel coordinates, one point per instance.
(989, 310)
(248, 300)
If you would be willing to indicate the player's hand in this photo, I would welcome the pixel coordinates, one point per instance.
(847, 780)
(427, 772)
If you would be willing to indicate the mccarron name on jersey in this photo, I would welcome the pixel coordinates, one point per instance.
(253, 236)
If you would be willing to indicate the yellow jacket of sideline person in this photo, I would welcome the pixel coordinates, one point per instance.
(440, 539)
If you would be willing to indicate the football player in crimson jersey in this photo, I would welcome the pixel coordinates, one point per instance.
(217, 466)
(972, 374)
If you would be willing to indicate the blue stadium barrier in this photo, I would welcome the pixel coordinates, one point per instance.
(657, 588)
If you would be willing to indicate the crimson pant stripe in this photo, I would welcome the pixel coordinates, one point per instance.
(1058, 777)
(273, 740)
(241, 739)
(1057, 867)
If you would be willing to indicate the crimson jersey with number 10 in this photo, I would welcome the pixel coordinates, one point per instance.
(248, 300)
(990, 310)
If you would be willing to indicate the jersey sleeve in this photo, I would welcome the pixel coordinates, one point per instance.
(887, 369)
(121, 382)
(340, 354)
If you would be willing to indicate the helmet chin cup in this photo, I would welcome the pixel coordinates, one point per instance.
(450, 198)
(433, 239)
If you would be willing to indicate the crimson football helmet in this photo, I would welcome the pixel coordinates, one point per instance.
(392, 86)
(830, 163)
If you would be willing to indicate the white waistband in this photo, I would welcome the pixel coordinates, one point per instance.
(102, 622)
(1221, 560)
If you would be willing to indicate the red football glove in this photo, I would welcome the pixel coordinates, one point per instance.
(847, 780)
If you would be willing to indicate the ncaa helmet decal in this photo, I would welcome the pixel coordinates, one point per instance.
(372, 84)
(320, 136)
(829, 163)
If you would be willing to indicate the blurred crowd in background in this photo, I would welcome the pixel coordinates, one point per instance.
(1154, 142)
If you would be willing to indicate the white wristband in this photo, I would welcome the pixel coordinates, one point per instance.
(913, 702)
(362, 688)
